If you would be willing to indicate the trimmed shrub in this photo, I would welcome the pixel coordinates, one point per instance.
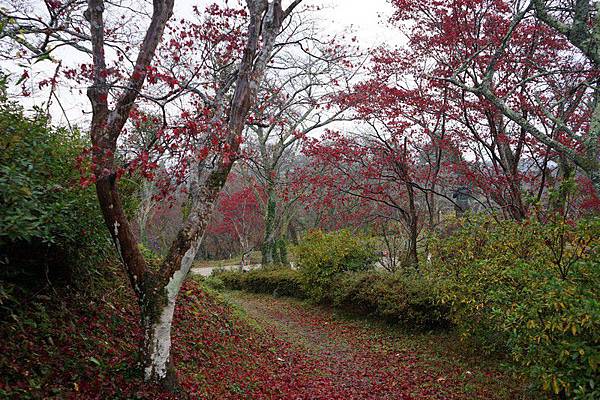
(410, 300)
(231, 279)
(321, 256)
(275, 281)
(530, 290)
(213, 282)
(395, 298)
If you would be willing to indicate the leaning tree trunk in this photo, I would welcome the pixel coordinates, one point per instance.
(265, 23)
(157, 290)
(159, 299)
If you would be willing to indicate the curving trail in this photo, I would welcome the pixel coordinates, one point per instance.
(357, 359)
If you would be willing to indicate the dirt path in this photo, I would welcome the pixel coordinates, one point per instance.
(360, 359)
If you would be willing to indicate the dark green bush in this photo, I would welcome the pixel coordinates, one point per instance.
(48, 222)
(276, 281)
(38, 180)
(321, 256)
(231, 279)
(213, 282)
(531, 290)
(410, 300)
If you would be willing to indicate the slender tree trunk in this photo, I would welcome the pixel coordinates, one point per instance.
(293, 234)
(413, 229)
(275, 255)
(412, 258)
(283, 253)
(268, 247)
(566, 169)
(282, 242)
(595, 178)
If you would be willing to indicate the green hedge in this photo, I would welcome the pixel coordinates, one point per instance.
(531, 290)
(410, 300)
(275, 281)
(395, 298)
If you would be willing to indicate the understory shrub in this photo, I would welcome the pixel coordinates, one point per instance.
(322, 256)
(531, 290)
(212, 282)
(49, 224)
(276, 281)
(393, 297)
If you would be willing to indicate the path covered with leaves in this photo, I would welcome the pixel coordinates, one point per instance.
(258, 347)
(357, 359)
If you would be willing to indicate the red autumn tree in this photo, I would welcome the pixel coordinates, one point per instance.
(238, 215)
(532, 84)
(204, 142)
(377, 167)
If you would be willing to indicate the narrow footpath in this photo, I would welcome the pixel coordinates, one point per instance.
(359, 359)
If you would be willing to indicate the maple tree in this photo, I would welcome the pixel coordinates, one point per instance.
(368, 169)
(488, 151)
(433, 133)
(206, 139)
(298, 97)
(427, 97)
(237, 216)
(534, 83)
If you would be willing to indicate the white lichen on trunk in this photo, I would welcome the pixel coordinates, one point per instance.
(159, 336)
(160, 344)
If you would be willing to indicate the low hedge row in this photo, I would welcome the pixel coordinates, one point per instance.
(275, 281)
(395, 298)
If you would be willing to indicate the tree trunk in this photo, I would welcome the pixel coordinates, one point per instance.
(412, 257)
(268, 247)
(157, 317)
(293, 234)
(156, 362)
(558, 201)
(276, 259)
(283, 253)
(160, 295)
(282, 241)
(595, 178)
(157, 290)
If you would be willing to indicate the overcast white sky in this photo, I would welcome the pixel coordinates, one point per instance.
(366, 19)
(362, 15)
